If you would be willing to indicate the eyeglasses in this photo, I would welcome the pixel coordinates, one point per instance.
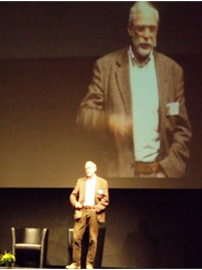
(141, 29)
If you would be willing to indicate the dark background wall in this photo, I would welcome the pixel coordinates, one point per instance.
(90, 28)
(44, 46)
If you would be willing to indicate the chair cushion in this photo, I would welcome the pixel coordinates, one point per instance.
(28, 246)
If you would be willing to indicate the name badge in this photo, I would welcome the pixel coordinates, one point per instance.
(172, 108)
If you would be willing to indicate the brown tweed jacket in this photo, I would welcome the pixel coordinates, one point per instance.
(101, 200)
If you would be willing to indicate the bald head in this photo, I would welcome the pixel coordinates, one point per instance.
(90, 169)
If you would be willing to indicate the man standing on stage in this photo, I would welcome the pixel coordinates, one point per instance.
(90, 198)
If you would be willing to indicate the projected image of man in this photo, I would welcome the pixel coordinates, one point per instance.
(135, 106)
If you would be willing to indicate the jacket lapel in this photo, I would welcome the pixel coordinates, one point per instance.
(83, 189)
(97, 188)
(162, 79)
(123, 80)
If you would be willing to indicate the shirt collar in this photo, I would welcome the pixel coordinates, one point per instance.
(136, 62)
(93, 178)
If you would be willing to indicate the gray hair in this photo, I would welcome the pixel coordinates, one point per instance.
(142, 6)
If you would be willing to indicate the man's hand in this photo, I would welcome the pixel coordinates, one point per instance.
(120, 125)
(78, 205)
(161, 175)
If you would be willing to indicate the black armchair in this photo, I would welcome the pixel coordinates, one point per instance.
(29, 245)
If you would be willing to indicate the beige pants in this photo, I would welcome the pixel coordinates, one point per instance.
(88, 218)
